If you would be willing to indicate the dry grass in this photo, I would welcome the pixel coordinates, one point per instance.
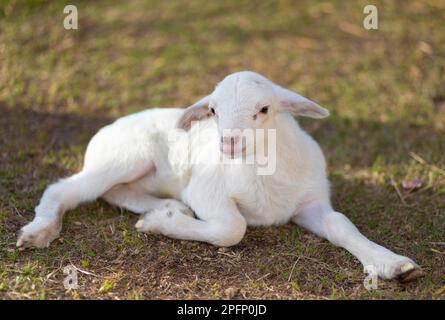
(385, 90)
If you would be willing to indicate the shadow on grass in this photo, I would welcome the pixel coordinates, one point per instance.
(26, 129)
(361, 143)
(38, 148)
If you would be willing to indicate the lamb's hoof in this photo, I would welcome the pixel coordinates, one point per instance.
(38, 234)
(409, 272)
(150, 221)
(140, 225)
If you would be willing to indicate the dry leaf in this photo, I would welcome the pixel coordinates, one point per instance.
(440, 291)
(425, 48)
(231, 292)
(412, 184)
(352, 29)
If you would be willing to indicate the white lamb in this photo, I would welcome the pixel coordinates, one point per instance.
(130, 164)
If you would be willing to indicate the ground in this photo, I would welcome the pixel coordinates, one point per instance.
(385, 89)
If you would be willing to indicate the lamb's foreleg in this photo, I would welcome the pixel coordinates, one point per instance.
(225, 227)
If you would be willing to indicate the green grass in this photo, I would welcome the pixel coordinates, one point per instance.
(385, 89)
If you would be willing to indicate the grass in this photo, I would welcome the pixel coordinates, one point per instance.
(385, 89)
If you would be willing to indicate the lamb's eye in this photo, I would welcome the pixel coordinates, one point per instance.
(212, 110)
(264, 109)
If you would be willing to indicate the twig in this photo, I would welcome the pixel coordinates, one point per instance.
(84, 271)
(419, 159)
(293, 268)
(55, 271)
(263, 277)
(437, 251)
(426, 188)
(394, 184)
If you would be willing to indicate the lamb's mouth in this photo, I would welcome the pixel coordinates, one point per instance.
(232, 154)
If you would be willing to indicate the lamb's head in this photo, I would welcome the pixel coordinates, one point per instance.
(247, 100)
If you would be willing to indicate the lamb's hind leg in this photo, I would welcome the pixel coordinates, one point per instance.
(67, 194)
(131, 197)
(321, 219)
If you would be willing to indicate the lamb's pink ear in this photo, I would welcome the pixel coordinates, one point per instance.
(196, 112)
(300, 106)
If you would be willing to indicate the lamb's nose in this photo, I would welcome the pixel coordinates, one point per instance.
(228, 143)
(230, 140)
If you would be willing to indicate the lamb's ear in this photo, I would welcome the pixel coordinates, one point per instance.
(196, 112)
(300, 106)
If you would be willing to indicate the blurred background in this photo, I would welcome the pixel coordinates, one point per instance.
(384, 141)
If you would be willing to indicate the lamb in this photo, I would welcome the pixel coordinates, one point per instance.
(135, 164)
